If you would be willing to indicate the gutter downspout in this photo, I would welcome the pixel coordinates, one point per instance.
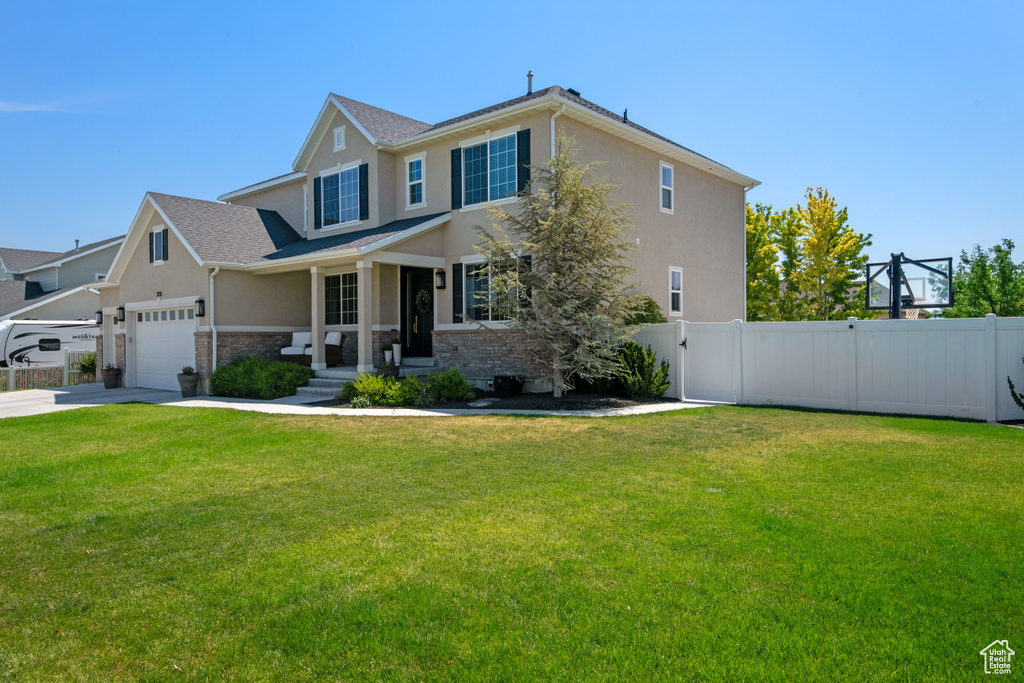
(213, 325)
(553, 117)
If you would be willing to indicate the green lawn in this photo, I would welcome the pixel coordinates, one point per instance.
(156, 543)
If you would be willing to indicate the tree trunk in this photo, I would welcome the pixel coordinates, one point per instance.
(556, 376)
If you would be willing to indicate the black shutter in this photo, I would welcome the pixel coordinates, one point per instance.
(364, 192)
(317, 218)
(525, 266)
(165, 244)
(522, 159)
(457, 183)
(150, 247)
(456, 292)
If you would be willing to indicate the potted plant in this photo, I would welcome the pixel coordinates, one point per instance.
(396, 349)
(111, 376)
(387, 347)
(188, 381)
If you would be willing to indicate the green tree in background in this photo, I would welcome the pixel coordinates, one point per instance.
(833, 259)
(987, 281)
(764, 281)
(803, 263)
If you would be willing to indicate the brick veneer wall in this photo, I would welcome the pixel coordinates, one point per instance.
(234, 345)
(481, 354)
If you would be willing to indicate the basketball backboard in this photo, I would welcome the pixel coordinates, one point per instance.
(927, 283)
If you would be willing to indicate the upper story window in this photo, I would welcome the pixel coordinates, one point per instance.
(341, 197)
(339, 139)
(414, 182)
(667, 185)
(489, 170)
(158, 245)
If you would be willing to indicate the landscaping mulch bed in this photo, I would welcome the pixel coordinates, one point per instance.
(571, 401)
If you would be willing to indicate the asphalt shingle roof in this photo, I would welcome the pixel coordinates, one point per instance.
(16, 260)
(381, 123)
(14, 295)
(392, 127)
(350, 240)
(226, 233)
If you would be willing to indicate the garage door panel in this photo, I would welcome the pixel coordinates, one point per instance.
(163, 346)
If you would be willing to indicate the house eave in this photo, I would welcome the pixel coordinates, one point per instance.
(261, 186)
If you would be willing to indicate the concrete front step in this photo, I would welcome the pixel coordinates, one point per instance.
(323, 382)
(348, 374)
(322, 392)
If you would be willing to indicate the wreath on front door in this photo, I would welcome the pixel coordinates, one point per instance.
(424, 300)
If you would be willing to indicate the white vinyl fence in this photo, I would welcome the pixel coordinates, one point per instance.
(922, 367)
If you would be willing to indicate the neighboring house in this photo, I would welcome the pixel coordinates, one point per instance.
(49, 285)
(379, 207)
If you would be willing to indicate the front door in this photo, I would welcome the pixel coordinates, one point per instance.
(417, 311)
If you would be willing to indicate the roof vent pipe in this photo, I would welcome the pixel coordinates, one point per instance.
(625, 116)
(573, 91)
(529, 82)
(76, 245)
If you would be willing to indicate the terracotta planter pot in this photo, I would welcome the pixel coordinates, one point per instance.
(111, 379)
(189, 384)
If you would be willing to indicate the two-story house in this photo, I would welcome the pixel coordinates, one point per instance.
(50, 285)
(371, 234)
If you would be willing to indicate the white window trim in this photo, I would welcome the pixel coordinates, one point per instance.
(422, 158)
(672, 189)
(337, 168)
(675, 269)
(339, 129)
(473, 142)
(475, 260)
(159, 230)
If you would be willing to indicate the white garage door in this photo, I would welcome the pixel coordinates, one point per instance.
(164, 343)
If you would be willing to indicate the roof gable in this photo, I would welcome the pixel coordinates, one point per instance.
(17, 260)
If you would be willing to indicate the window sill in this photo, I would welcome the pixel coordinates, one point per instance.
(670, 212)
(413, 207)
(341, 226)
(484, 205)
(158, 263)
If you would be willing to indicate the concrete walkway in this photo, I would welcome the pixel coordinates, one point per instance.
(41, 401)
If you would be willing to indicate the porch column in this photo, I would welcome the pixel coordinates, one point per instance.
(317, 317)
(364, 314)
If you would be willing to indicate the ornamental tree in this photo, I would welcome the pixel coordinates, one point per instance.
(570, 305)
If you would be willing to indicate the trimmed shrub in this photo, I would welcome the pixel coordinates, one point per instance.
(348, 391)
(639, 372)
(260, 378)
(383, 391)
(87, 366)
(449, 385)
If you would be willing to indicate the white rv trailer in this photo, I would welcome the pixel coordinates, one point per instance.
(25, 343)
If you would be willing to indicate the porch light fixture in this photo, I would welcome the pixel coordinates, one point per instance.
(439, 279)
(99, 317)
(200, 307)
(120, 314)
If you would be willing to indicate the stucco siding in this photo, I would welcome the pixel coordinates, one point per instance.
(83, 270)
(179, 276)
(286, 199)
(258, 300)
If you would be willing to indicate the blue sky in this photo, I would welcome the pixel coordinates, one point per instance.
(911, 113)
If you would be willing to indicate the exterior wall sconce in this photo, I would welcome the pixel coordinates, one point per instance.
(439, 279)
(200, 308)
(99, 317)
(120, 314)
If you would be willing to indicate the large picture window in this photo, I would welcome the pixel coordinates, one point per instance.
(489, 170)
(341, 297)
(341, 197)
(481, 304)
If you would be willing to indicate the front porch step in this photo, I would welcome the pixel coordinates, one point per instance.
(347, 374)
(417, 362)
(326, 383)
